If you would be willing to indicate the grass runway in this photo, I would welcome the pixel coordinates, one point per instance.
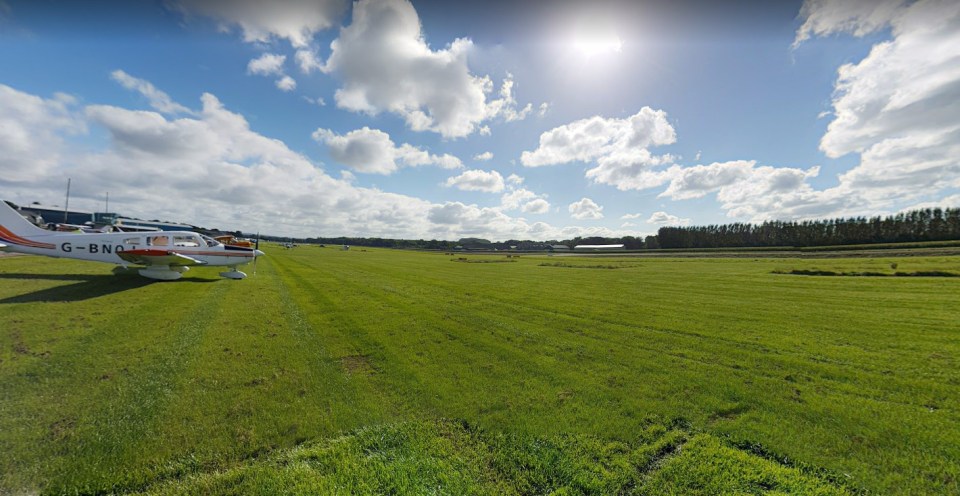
(390, 371)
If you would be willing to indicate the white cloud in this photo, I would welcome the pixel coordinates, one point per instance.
(758, 193)
(483, 157)
(385, 65)
(31, 134)
(585, 209)
(627, 224)
(316, 101)
(294, 20)
(308, 61)
(484, 130)
(506, 105)
(899, 107)
(631, 216)
(618, 146)
(477, 180)
(544, 107)
(516, 198)
(538, 206)
(858, 17)
(158, 99)
(601, 139)
(514, 179)
(663, 218)
(372, 151)
(268, 64)
(286, 83)
(213, 170)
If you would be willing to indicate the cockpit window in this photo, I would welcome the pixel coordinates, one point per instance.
(158, 240)
(210, 241)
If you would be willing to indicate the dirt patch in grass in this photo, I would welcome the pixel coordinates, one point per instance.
(358, 365)
(584, 266)
(474, 260)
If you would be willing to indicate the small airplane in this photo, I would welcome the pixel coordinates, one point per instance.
(166, 255)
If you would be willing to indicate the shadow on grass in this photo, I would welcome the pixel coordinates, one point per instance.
(87, 286)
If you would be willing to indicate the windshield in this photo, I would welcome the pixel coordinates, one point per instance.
(210, 241)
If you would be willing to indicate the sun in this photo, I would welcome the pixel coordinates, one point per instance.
(593, 46)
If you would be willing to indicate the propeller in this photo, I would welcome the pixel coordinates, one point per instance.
(256, 249)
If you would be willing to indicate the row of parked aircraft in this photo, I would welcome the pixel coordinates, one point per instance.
(164, 255)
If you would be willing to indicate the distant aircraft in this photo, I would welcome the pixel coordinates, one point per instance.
(166, 254)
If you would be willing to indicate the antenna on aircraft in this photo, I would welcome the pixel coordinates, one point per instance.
(66, 206)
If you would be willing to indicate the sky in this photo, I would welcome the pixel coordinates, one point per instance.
(539, 119)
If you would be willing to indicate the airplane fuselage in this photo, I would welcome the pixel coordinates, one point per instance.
(107, 247)
(165, 255)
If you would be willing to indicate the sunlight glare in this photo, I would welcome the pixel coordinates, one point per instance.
(591, 47)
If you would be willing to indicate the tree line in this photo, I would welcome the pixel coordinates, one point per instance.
(930, 224)
(927, 224)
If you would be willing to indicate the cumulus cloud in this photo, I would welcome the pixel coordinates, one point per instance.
(537, 206)
(268, 64)
(602, 139)
(519, 198)
(858, 17)
(758, 193)
(483, 157)
(585, 209)
(372, 151)
(308, 61)
(516, 198)
(212, 169)
(899, 107)
(294, 20)
(159, 100)
(31, 134)
(286, 83)
(506, 105)
(385, 65)
(477, 180)
(663, 218)
(619, 147)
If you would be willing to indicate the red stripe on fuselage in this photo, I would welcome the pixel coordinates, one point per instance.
(8, 236)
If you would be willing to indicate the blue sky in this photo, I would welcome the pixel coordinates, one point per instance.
(524, 120)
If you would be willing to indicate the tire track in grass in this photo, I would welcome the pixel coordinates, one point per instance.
(108, 453)
(472, 350)
(352, 342)
(314, 327)
(729, 358)
(100, 343)
(261, 380)
(418, 332)
(732, 357)
(512, 309)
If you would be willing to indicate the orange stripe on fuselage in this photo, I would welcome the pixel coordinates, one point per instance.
(9, 236)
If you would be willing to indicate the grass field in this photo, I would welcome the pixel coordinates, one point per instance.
(386, 371)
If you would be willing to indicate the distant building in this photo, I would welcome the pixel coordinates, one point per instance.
(149, 225)
(597, 247)
(53, 213)
(559, 248)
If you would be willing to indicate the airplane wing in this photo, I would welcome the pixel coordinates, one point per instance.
(158, 257)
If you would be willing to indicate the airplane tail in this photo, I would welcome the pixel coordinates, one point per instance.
(14, 228)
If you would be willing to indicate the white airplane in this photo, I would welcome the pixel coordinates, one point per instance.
(166, 254)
